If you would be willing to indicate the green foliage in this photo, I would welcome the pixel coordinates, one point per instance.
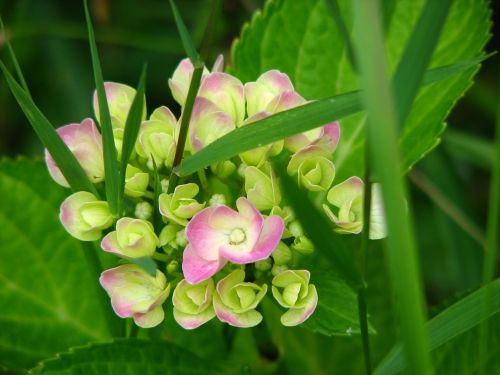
(48, 302)
(131, 356)
(337, 310)
(315, 58)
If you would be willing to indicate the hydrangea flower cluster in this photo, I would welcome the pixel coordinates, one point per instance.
(225, 232)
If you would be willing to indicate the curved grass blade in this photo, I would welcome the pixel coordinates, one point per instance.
(318, 229)
(64, 158)
(382, 142)
(132, 126)
(417, 55)
(187, 42)
(470, 148)
(110, 157)
(455, 320)
(298, 120)
(13, 58)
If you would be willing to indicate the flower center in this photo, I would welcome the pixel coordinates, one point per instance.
(237, 236)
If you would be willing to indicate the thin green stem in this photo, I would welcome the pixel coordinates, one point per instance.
(491, 244)
(186, 118)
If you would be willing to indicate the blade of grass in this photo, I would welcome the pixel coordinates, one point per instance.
(132, 129)
(491, 241)
(417, 55)
(383, 147)
(297, 120)
(209, 29)
(111, 170)
(453, 321)
(317, 227)
(186, 39)
(64, 158)
(334, 8)
(13, 58)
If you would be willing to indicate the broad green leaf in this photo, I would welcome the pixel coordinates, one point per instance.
(131, 356)
(47, 298)
(111, 170)
(132, 126)
(337, 310)
(64, 158)
(313, 54)
(450, 323)
(297, 120)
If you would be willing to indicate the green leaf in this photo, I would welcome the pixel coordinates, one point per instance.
(48, 302)
(313, 54)
(64, 158)
(111, 170)
(131, 356)
(297, 120)
(453, 321)
(470, 148)
(132, 126)
(337, 310)
(317, 227)
(187, 42)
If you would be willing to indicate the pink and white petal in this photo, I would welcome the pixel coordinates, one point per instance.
(276, 80)
(247, 319)
(284, 101)
(255, 220)
(197, 269)
(110, 244)
(350, 189)
(54, 170)
(188, 321)
(219, 64)
(113, 278)
(203, 238)
(329, 139)
(150, 319)
(295, 317)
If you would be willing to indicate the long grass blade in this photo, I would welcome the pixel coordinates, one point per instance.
(317, 227)
(478, 151)
(132, 126)
(215, 11)
(64, 158)
(491, 241)
(13, 58)
(297, 120)
(417, 55)
(383, 148)
(453, 321)
(186, 39)
(110, 156)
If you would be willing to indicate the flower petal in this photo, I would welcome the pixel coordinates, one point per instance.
(197, 269)
(243, 320)
(189, 321)
(151, 318)
(294, 317)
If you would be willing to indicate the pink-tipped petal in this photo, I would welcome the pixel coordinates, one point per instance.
(219, 64)
(286, 100)
(329, 138)
(150, 319)
(295, 317)
(110, 244)
(197, 269)
(188, 321)
(247, 319)
(113, 278)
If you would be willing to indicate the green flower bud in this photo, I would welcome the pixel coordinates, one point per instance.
(133, 238)
(313, 167)
(262, 189)
(223, 169)
(181, 205)
(236, 300)
(277, 269)
(282, 254)
(168, 236)
(136, 182)
(303, 245)
(164, 185)
(173, 267)
(193, 303)
(292, 290)
(296, 229)
(84, 217)
(143, 210)
(264, 265)
(180, 238)
(217, 199)
(287, 215)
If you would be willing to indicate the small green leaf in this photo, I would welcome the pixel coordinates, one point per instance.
(132, 126)
(337, 310)
(187, 42)
(453, 321)
(111, 170)
(132, 356)
(297, 120)
(317, 227)
(64, 158)
(49, 298)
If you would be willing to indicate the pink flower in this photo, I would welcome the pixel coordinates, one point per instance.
(85, 142)
(219, 234)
